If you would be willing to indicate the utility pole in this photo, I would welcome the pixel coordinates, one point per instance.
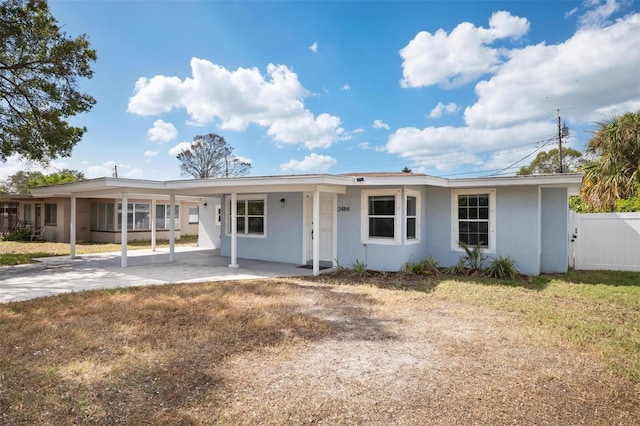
(563, 131)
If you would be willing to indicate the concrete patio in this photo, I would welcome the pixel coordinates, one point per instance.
(61, 274)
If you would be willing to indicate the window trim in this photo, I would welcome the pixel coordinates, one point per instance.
(416, 195)
(246, 198)
(364, 216)
(455, 220)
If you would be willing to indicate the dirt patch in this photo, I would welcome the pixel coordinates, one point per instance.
(416, 360)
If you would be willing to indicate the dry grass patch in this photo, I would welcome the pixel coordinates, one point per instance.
(292, 352)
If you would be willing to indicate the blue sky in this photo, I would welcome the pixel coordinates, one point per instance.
(448, 88)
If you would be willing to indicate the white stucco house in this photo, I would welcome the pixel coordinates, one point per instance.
(381, 219)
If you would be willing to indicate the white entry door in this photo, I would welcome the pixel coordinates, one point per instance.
(327, 210)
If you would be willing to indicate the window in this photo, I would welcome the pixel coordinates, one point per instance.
(380, 216)
(138, 216)
(473, 219)
(412, 216)
(27, 214)
(163, 216)
(193, 214)
(102, 216)
(50, 214)
(251, 216)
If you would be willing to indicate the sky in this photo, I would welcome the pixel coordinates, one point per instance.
(446, 88)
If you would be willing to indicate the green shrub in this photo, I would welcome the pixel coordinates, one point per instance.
(359, 269)
(504, 268)
(18, 235)
(430, 265)
(473, 259)
(459, 268)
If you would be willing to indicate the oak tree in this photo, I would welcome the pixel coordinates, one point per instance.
(211, 156)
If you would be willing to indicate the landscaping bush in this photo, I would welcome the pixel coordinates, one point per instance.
(18, 235)
(504, 268)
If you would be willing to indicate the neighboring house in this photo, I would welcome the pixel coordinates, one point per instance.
(98, 219)
(381, 219)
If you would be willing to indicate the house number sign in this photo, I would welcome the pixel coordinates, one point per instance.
(343, 208)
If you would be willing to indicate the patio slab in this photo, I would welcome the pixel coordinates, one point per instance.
(61, 274)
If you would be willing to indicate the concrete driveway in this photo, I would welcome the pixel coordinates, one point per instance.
(61, 274)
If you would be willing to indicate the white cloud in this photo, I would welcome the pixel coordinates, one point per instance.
(179, 148)
(244, 159)
(461, 56)
(150, 153)
(311, 163)
(107, 169)
(162, 131)
(237, 99)
(358, 130)
(446, 148)
(314, 47)
(364, 145)
(346, 87)
(450, 108)
(592, 72)
(15, 163)
(134, 174)
(379, 124)
(600, 14)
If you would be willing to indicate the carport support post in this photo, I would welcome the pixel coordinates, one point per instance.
(72, 227)
(172, 228)
(123, 231)
(316, 232)
(234, 231)
(153, 225)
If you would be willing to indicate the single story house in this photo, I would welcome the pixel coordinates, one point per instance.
(380, 219)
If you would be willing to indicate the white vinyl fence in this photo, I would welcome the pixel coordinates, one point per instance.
(609, 241)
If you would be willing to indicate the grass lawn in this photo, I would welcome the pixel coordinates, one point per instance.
(20, 252)
(563, 349)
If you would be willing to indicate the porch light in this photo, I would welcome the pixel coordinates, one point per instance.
(282, 200)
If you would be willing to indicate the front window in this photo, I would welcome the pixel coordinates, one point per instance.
(50, 214)
(102, 216)
(163, 216)
(251, 216)
(473, 217)
(381, 217)
(138, 216)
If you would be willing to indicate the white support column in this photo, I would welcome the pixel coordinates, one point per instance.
(153, 225)
(72, 227)
(172, 228)
(316, 232)
(123, 231)
(234, 231)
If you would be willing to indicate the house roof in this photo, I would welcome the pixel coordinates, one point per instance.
(110, 187)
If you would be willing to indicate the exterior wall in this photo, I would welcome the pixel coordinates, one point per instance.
(284, 226)
(518, 227)
(554, 236)
(382, 257)
(187, 228)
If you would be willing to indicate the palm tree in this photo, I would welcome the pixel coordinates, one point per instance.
(614, 172)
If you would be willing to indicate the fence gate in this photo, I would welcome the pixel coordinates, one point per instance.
(609, 241)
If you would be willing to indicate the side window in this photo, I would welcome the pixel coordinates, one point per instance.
(194, 216)
(251, 216)
(412, 216)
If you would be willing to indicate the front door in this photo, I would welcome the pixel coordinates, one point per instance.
(327, 210)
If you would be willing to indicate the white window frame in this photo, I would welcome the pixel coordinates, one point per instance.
(246, 199)
(416, 194)
(492, 217)
(398, 216)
